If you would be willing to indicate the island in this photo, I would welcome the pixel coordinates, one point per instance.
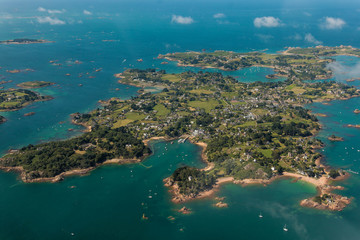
(2, 119)
(34, 84)
(29, 114)
(15, 99)
(24, 41)
(55, 160)
(334, 138)
(250, 132)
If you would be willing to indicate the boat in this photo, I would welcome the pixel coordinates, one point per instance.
(260, 215)
(144, 217)
(285, 228)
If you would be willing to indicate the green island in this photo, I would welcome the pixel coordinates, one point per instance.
(24, 41)
(34, 84)
(250, 132)
(15, 99)
(54, 160)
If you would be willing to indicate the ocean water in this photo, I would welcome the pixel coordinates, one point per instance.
(109, 203)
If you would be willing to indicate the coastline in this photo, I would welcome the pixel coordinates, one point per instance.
(322, 185)
(46, 98)
(73, 172)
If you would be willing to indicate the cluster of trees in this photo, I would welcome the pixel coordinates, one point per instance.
(88, 150)
(322, 199)
(291, 129)
(179, 128)
(191, 181)
(334, 173)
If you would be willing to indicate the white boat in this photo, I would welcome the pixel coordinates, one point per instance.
(285, 228)
(260, 215)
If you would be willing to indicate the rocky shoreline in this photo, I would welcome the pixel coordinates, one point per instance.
(74, 172)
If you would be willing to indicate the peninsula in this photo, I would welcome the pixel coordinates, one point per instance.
(15, 99)
(300, 63)
(24, 41)
(251, 132)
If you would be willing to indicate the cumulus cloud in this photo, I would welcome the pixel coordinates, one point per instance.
(219, 15)
(41, 9)
(331, 23)
(56, 11)
(267, 22)
(279, 211)
(181, 19)
(343, 72)
(86, 12)
(51, 21)
(51, 11)
(311, 39)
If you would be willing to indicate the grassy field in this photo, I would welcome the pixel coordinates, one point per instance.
(295, 89)
(122, 122)
(267, 152)
(171, 77)
(130, 117)
(201, 91)
(207, 106)
(161, 110)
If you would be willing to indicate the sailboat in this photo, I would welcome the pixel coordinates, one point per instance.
(260, 215)
(285, 228)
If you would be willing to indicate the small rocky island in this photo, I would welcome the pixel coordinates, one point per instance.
(24, 41)
(34, 84)
(334, 138)
(2, 119)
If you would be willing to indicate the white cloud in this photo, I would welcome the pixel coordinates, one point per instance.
(342, 72)
(51, 11)
(6, 16)
(86, 12)
(51, 21)
(307, 14)
(311, 39)
(41, 9)
(219, 15)
(267, 22)
(332, 23)
(56, 11)
(181, 19)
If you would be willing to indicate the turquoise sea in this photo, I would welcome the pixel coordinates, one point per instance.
(112, 35)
